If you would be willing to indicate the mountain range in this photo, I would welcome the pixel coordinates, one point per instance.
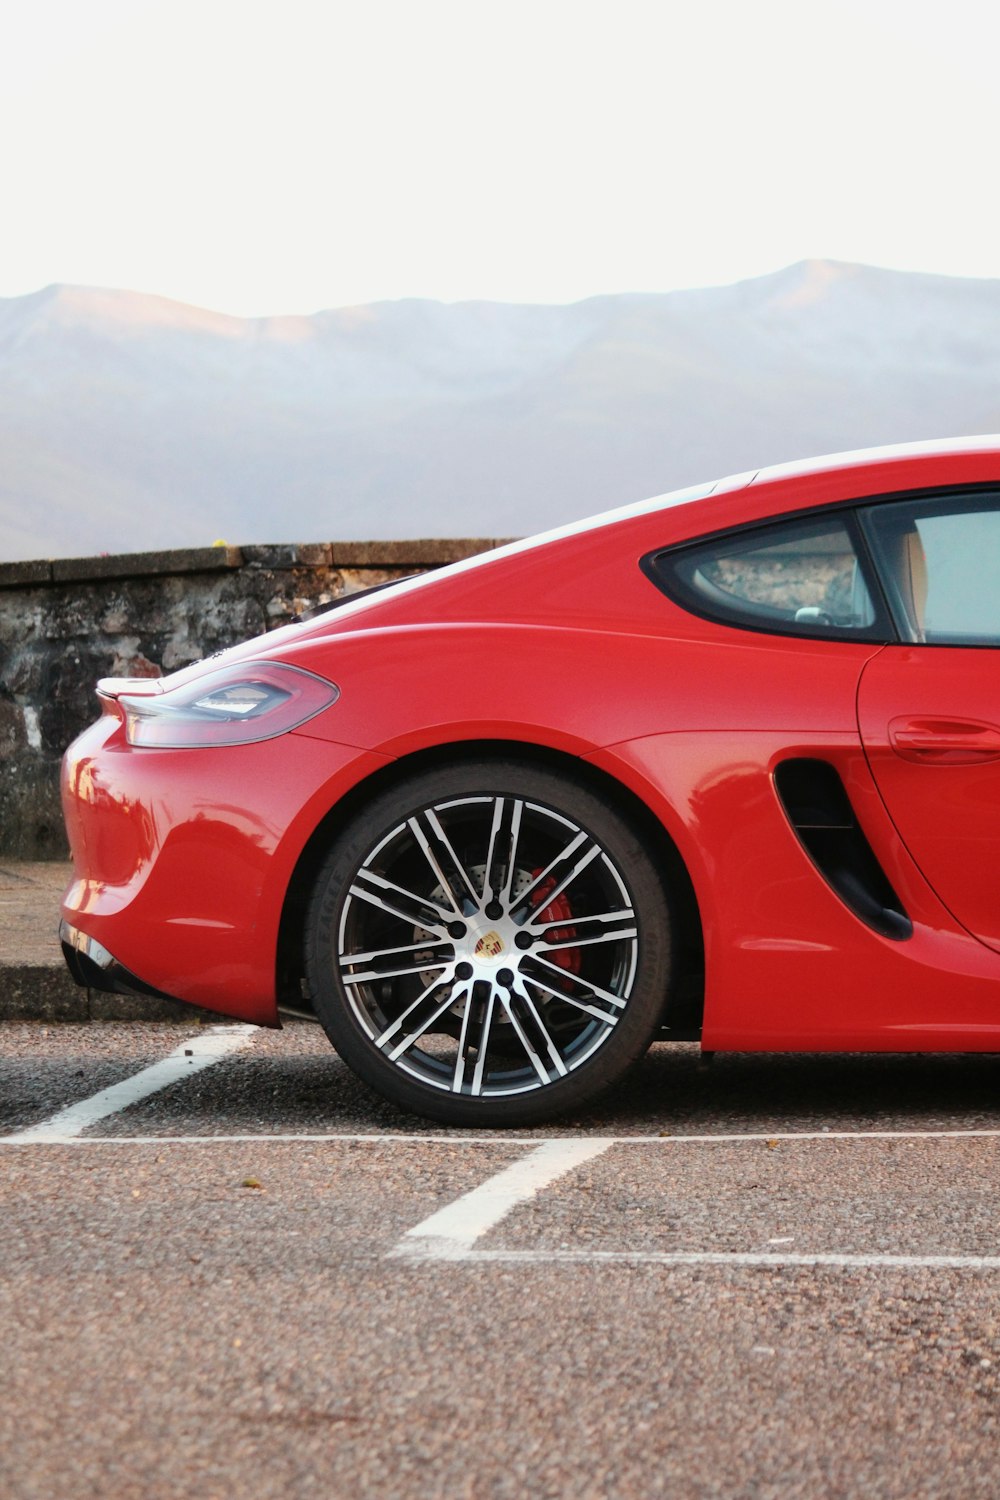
(130, 422)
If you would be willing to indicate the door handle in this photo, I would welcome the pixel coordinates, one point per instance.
(945, 742)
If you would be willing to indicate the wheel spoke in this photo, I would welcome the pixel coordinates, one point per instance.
(408, 905)
(462, 1056)
(490, 890)
(503, 895)
(460, 870)
(452, 998)
(543, 875)
(618, 1001)
(581, 864)
(608, 917)
(445, 882)
(578, 942)
(484, 1043)
(369, 975)
(415, 948)
(609, 1017)
(550, 1046)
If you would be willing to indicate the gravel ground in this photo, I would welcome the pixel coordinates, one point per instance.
(221, 1319)
(291, 1080)
(205, 1339)
(44, 1068)
(918, 1197)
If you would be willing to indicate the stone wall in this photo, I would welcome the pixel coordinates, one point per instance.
(65, 623)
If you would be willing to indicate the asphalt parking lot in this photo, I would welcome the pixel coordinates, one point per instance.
(227, 1270)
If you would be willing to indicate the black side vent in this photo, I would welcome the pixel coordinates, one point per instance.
(819, 810)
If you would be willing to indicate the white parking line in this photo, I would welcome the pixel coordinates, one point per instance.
(452, 1231)
(415, 1250)
(190, 1057)
(412, 1138)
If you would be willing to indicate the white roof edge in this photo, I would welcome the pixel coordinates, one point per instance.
(889, 453)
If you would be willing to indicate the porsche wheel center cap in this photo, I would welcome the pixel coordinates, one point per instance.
(489, 947)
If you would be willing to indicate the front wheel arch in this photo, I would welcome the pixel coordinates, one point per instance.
(685, 1003)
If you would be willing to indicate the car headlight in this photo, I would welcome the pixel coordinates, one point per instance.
(237, 705)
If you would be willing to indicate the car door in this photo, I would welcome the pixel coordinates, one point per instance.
(929, 707)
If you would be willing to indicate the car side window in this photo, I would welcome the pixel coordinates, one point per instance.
(800, 577)
(940, 563)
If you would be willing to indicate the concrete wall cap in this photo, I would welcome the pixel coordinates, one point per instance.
(15, 575)
(420, 552)
(146, 564)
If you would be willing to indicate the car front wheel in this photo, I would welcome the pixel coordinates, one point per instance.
(488, 943)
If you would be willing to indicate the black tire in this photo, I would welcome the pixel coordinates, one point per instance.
(488, 943)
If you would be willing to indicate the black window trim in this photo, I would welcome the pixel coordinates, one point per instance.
(883, 631)
(950, 497)
(657, 566)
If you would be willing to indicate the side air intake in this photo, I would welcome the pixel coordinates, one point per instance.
(818, 808)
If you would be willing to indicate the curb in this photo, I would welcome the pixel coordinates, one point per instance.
(48, 992)
(35, 984)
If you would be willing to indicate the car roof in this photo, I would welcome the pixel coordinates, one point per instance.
(889, 467)
(922, 452)
(739, 499)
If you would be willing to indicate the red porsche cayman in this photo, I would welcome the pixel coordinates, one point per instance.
(723, 765)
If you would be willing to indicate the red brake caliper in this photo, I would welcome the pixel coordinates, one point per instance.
(558, 910)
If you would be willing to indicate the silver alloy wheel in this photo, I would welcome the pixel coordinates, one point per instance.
(487, 945)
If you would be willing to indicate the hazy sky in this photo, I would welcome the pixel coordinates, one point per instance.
(263, 157)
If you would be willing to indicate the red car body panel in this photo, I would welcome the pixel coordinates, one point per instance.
(184, 858)
(930, 720)
(788, 967)
(181, 870)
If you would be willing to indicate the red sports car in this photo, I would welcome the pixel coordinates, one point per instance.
(723, 765)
